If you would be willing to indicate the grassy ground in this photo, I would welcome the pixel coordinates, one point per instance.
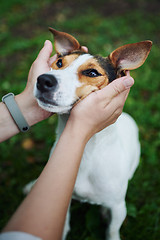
(102, 26)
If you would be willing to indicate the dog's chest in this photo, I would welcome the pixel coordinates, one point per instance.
(98, 170)
(106, 162)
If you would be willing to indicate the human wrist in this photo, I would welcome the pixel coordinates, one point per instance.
(15, 112)
(78, 130)
(30, 109)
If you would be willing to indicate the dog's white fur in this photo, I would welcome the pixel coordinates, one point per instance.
(109, 161)
(68, 82)
(110, 157)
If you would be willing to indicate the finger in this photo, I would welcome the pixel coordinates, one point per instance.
(128, 73)
(52, 59)
(127, 92)
(118, 101)
(116, 87)
(45, 52)
(85, 49)
(122, 96)
(128, 89)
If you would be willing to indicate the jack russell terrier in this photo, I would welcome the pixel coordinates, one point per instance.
(112, 155)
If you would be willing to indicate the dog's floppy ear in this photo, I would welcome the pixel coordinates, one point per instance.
(64, 43)
(130, 56)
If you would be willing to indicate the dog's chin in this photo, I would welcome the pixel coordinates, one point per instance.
(54, 108)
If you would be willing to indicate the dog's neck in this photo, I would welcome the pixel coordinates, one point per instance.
(62, 120)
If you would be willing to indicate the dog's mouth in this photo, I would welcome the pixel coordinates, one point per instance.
(53, 106)
(55, 101)
(47, 101)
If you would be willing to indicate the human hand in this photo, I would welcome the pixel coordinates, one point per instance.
(30, 108)
(40, 65)
(101, 108)
(28, 104)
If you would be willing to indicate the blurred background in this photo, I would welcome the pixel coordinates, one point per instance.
(102, 26)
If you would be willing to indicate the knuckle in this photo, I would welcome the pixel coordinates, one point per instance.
(117, 89)
(121, 102)
(118, 112)
(114, 120)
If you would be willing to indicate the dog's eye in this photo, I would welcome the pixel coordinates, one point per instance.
(91, 73)
(59, 63)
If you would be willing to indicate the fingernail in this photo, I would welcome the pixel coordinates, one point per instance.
(128, 82)
(45, 42)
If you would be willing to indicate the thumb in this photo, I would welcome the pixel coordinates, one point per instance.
(116, 87)
(45, 52)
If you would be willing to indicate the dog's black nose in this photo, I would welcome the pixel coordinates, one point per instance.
(46, 83)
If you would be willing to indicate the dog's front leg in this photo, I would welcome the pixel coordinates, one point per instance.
(118, 214)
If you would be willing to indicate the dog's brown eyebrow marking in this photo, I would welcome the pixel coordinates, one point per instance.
(104, 63)
(65, 61)
(108, 67)
(78, 52)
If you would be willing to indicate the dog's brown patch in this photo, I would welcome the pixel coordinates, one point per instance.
(99, 81)
(91, 84)
(66, 61)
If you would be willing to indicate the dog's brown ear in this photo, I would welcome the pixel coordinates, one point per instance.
(130, 56)
(64, 43)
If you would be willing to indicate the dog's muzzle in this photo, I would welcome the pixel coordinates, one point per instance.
(54, 96)
(46, 83)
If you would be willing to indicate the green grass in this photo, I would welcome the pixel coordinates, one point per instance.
(23, 30)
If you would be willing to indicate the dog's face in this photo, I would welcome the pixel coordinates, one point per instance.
(76, 73)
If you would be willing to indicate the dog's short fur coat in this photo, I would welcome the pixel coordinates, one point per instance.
(112, 155)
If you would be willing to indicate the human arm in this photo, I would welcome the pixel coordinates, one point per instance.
(25, 100)
(43, 211)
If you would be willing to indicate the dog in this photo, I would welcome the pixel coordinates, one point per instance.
(111, 156)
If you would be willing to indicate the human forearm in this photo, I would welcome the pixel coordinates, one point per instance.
(28, 107)
(43, 211)
(8, 128)
(26, 102)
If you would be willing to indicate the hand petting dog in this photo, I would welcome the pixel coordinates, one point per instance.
(28, 104)
(42, 65)
(102, 108)
(88, 93)
(112, 157)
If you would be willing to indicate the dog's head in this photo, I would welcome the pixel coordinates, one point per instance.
(76, 73)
